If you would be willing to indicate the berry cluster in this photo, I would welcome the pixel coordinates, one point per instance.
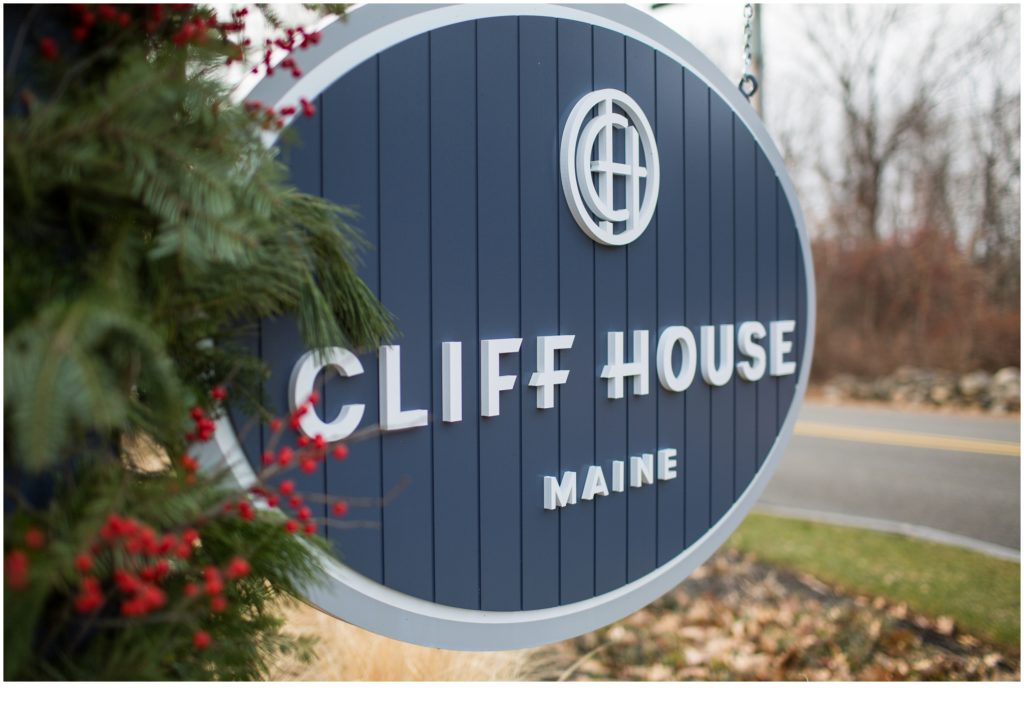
(307, 455)
(133, 570)
(129, 567)
(183, 25)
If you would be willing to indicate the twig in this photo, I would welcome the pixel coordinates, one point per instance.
(575, 665)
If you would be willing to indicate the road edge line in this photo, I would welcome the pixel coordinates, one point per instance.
(897, 527)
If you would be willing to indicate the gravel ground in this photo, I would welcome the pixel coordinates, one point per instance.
(736, 618)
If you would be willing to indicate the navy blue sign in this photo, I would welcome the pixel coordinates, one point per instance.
(605, 302)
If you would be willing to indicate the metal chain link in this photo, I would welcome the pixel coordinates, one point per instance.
(748, 82)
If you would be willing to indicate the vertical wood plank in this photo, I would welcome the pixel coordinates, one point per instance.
(767, 291)
(574, 400)
(671, 293)
(722, 303)
(246, 426)
(454, 299)
(280, 336)
(787, 296)
(609, 315)
(697, 465)
(498, 288)
(405, 291)
(539, 193)
(745, 208)
(642, 290)
(351, 179)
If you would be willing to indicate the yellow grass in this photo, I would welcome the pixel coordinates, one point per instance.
(348, 653)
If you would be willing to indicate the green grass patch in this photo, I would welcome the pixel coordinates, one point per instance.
(981, 593)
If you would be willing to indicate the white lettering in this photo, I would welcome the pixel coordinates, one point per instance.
(667, 464)
(618, 369)
(780, 346)
(558, 494)
(547, 376)
(750, 332)
(392, 417)
(595, 484)
(671, 380)
(618, 475)
(492, 382)
(641, 470)
(716, 376)
(301, 385)
(451, 381)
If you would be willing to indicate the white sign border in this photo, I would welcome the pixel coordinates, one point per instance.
(352, 597)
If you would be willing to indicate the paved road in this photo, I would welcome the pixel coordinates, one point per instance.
(957, 474)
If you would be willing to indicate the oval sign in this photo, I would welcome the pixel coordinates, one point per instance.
(605, 299)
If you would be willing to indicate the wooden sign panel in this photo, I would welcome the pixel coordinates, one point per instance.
(605, 301)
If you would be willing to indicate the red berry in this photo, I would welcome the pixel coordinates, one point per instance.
(313, 397)
(291, 526)
(238, 567)
(35, 538)
(268, 457)
(273, 500)
(154, 596)
(218, 604)
(287, 487)
(88, 601)
(220, 393)
(197, 412)
(189, 463)
(295, 501)
(310, 528)
(319, 442)
(16, 569)
(245, 510)
(167, 543)
(191, 589)
(340, 508)
(48, 48)
(163, 568)
(83, 562)
(201, 640)
(87, 18)
(307, 107)
(124, 19)
(288, 111)
(309, 465)
(126, 582)
(304, 513)
(190, 536)
(285, 456)
(340, 451)
(214, 586)
(303, 441)
(275, 425)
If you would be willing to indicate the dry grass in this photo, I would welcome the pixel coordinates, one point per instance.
(348, 653)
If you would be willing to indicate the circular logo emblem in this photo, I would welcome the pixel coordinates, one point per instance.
(590, 171)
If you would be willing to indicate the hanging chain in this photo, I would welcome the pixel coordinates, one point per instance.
(748, 82)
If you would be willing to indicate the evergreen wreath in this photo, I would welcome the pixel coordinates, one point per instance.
(147, 227)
